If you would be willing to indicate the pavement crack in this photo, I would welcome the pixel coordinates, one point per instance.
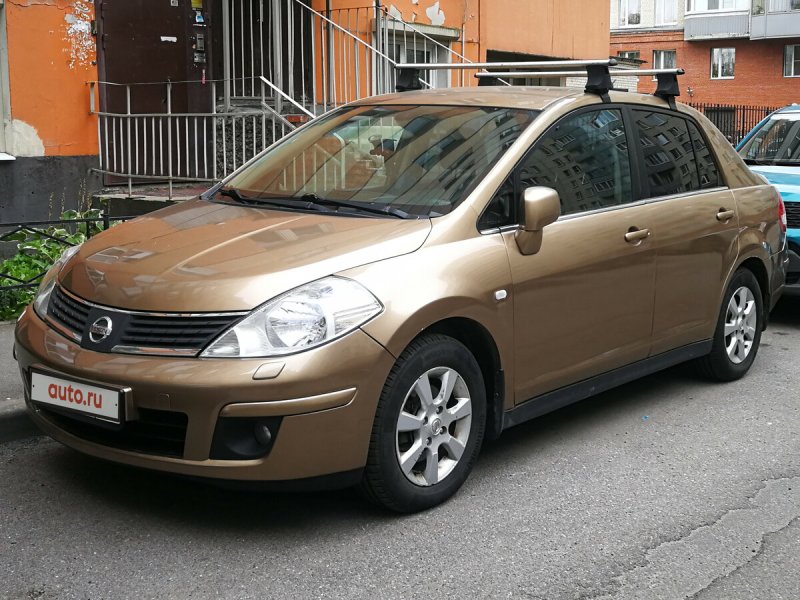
(684, 567)
(761, 547)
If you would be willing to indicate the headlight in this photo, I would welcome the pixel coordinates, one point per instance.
(303, 318)
(49, 282)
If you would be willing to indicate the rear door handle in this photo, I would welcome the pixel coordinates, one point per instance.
(725, 215)
(636, 235)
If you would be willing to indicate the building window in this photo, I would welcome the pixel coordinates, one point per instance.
(666, 12)
(791, 61)
(630, 54)
(664, 59)
(780, 6)
(699, 6)
(630, 13)
(723, 61)
(412, 49)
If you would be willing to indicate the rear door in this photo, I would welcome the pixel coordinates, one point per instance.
(695, 223)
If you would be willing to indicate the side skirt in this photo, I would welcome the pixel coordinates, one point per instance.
(541, 405)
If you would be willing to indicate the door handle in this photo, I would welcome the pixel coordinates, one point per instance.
(635, 235)
(725, 215)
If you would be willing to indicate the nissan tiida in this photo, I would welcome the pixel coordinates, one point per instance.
(372, 297)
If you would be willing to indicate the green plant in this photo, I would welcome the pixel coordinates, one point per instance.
(37, 250)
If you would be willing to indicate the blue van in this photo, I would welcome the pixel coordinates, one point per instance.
(772, 149)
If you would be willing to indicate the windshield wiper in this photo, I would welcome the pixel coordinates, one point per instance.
(314, 202)
(376, 209)
(280, 203)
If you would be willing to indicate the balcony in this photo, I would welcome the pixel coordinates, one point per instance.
(717, 25)
(776, 24)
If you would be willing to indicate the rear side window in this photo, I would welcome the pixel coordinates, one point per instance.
(706, 165)
(667, 152)
(585, 158)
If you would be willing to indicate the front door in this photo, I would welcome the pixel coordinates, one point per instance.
(583, 304)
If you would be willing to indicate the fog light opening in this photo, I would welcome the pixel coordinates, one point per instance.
(262, 434)
(244, 438)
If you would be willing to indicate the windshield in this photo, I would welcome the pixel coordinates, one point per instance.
(421, 160)
(776, 142)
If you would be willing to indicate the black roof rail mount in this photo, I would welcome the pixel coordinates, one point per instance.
(599, 81)
(668, 87)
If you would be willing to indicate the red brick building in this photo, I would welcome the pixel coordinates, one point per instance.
(741, 52)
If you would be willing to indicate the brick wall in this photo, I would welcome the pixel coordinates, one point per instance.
(758, 78)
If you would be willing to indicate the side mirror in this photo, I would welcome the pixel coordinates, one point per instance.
(540, 207)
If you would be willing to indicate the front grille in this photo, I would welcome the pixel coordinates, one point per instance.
(158, 432)
(793, 214)
(138, 332)
(172, 332)
(68, 311)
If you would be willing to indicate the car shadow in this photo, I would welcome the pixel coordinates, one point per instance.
(206, 505)
(786, 313)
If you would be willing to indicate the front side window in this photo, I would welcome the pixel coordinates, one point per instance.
(584, 158)
(422, 160)
(723, 61)
(776, 142)
(791, 61)
(630, 13)
(666, 12)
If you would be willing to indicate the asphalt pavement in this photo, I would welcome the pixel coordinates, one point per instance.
(666, 488)
(14, 424)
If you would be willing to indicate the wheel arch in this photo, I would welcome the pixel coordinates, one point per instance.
(480, 342)
(757, 267)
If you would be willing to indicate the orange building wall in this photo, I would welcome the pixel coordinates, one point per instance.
(569, 29)
(51, 57)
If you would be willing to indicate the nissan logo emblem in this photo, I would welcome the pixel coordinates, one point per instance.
(100, 329)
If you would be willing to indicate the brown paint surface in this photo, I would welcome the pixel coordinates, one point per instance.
(47, 91)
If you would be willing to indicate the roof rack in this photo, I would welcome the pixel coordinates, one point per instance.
(408, 73)
(597, 72)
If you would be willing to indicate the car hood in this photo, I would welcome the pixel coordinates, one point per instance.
(201, 256)
(786, 179)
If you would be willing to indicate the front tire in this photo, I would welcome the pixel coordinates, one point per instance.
(738, 333)
(428, 428)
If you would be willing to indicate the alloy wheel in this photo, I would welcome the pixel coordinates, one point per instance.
(741, 320)
(433, 426)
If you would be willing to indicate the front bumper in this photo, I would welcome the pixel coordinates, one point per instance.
(324, 399)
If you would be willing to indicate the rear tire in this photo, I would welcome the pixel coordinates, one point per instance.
(738, 332)
(428, 428)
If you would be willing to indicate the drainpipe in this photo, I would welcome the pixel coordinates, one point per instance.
(378, 46)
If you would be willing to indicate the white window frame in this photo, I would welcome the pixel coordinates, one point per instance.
(624, 12)
(627, 54)
(794, 50)
(718, 61)
(723, 6)
(661, 54)
(782, 6)
(661, 9)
